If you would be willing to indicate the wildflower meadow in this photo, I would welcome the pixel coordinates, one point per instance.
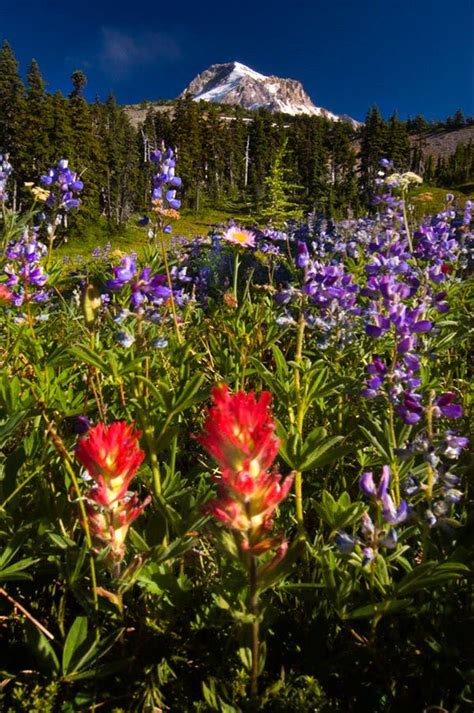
(234, 468)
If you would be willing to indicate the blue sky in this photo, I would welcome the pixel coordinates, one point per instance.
(412, 56)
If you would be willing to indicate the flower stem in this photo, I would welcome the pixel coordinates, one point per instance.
(170, 285)
(405, 220)
(62, 450)
(299, 498)
(255, 632)
(236, 273)
(393, 464)
(299, 418)
(50, 249)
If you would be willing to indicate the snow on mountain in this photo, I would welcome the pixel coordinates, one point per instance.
(235, 83)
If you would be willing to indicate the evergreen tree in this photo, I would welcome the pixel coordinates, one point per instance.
(79, 81)
(12, 114)
(120, 162)
(62, 140)
(397, 147)
(40, 122)
(373, 145)
(85, 150)
(279, 204)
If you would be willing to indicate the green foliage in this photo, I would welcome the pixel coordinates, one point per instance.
(279, 206)
(171, 627)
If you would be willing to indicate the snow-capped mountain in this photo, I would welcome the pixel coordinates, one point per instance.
(235, 83)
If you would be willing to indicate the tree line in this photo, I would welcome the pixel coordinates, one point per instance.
(224, 156)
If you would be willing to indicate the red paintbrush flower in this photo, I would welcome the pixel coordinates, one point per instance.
(239, 431)
(249, 509)
(110, 526)
(6, 297)
(112, 456)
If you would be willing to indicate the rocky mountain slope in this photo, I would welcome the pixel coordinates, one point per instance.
(235, 83)
(443, 143)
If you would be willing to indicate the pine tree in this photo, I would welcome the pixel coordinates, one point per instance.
(84, 154)
(187, 130)
(120, 162)
(279, 204)
(12, 115)
(373, 145)
(397, 147)
(37, 134)
(62, 140)
(79, 81)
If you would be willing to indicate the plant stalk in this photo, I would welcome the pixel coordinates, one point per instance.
(255, 632)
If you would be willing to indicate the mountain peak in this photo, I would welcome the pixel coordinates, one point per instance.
(236, 83)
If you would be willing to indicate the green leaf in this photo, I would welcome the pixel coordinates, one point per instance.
(269, 575)
(90, 651)
(101, 671)
(314, 456)
(376, 441)
(431, 574)
(15, 571)
(76, 636)
(42, 650)
(189, 394)
(88, 356)
(10, 426)
(13, 463)
(245, 655)
(389, 606)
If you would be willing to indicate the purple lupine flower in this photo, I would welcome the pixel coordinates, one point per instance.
(390, 539)
(411, 485)
(391, 513)
(285, 296)
(148, 290)
(159, 343)
(368, 555)
(64, 185)
(164, 184)
(25, 273)
(381, 326)
(125, 339)
(81, 425)
(367, 484)
(444, 406)
(345, 542)
(123, 274)
(410, 409)
(367, 526)
(453, 445)
(302, 258)
(452, 496)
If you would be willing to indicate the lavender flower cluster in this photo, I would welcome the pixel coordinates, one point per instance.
(328, 293)
(164, 203)
(25, 274)
(379, 531)
(437, 486)
(149, 293)
(64, 187)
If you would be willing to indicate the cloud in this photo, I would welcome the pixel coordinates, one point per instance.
(120, 53)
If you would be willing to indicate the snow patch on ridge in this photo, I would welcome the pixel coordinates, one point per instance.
(235, 83)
